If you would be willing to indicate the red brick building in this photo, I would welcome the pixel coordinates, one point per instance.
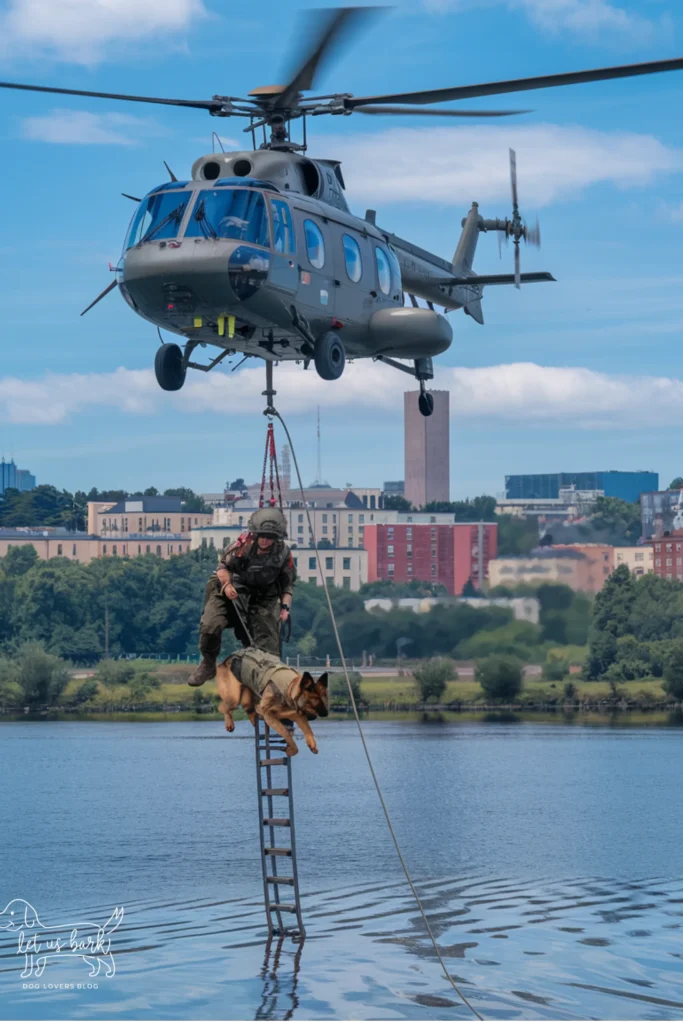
(450, 554)
(667, 556)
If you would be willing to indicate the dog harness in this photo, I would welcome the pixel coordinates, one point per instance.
(255, 668)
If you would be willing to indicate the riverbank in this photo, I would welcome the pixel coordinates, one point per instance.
(395, 696)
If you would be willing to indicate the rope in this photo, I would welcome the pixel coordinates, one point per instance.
(362, 737)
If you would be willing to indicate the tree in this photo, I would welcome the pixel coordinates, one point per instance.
(115, 673)
(339, 691)
(86, 692)
(611, 616)
(397, 503)
(475, 510)
(431, 677)
(237, 485)
(325, 543)
(555, 668)
(190, 501)
(676, 483)
(500, 678)
(516, 535)
(151, 492)
(673, 671)
(469, 590)
(619, 520)
(517, 639)
(42, 677)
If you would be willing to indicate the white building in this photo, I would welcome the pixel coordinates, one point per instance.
(524, 609)
(341, 566)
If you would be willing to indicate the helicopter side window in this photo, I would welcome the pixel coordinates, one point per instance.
(230, 213)
(158, 216)
(383, 270)
(283, 229)
(352, 258)
(395, 270)
(315, 245)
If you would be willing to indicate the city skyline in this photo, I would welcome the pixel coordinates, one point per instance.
(582, 372)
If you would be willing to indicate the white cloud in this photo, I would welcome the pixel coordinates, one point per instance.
(84, 128)
(522, 394)
(589, 20)
(456, 165)
(81, 30)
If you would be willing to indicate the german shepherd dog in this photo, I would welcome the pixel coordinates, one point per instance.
(306, 699)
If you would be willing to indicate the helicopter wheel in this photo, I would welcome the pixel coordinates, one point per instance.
(426, 403)
(168, 367)
(329, 356)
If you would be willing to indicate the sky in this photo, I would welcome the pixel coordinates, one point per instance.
(581, 374)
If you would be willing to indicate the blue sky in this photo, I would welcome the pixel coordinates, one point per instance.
(582, 374)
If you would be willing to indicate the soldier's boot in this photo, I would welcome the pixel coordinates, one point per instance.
(206, 669)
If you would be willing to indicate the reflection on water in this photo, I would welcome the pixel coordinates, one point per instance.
(585, 947)
(548, 858)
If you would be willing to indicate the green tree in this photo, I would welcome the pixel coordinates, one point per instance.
(431, 677)
(469, 589)
(620, 520)
(86, 692)
(673, 671)
(42, 677)
(517, 639)
(611, 619)
(555, 668)
(237, 485)
(115, 673)
(676, 483)
(517, 535)
(397, 503)
(339, 691)
(500, 678)
(190, 501)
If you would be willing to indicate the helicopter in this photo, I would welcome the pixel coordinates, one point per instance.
(258, 253)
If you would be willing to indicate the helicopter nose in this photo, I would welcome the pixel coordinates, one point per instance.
(198, 276)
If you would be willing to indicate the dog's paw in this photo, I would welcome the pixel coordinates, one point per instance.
(230, 727)
(292, 750)
(313, 748)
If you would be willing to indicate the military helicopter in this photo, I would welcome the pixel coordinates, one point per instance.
(259, 254)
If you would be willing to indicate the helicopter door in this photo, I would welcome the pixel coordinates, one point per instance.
(284, 273)
(316, 293)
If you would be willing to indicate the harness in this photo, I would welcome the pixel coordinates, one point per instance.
(255, 669)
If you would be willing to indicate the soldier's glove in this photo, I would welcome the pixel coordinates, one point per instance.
(286, 629)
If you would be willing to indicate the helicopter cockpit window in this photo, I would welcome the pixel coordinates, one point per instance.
(395, 270)
(159, 216)
(383, 270)
(315, 245)
(283, 229)
(352, 258)
(230, 213)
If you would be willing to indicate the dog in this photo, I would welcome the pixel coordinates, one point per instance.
(284, 694)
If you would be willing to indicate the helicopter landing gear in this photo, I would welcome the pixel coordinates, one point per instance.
(329, 356)
(169, 367)
(424, 371)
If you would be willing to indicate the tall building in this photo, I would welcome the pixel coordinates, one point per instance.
(612, 483)
(19, 479)
(427, 450)
(449, 554)
(661, 513)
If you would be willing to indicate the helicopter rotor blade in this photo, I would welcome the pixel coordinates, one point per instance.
(464, 92)
(209, 105)
(513, 178)
(517, 270)
(532, 235)
(332, 27)
(109, 288)
(437, 113)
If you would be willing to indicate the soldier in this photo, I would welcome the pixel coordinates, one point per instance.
(255, 576)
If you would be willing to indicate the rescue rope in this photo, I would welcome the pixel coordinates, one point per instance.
(270, 468)
(406, 872)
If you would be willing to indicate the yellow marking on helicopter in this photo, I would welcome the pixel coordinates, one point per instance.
(198, 322)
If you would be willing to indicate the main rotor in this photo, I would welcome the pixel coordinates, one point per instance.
(274, 107)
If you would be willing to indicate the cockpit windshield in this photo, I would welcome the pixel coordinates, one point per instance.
(230, 213)
(158, 216)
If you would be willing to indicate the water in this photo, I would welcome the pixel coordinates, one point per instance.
(548, 856)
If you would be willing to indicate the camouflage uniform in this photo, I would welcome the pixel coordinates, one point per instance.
(261, 581)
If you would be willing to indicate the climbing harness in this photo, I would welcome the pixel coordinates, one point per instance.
(272, 412)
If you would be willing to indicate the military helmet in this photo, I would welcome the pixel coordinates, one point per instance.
(269, 520)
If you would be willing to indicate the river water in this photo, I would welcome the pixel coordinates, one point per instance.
(548, 856)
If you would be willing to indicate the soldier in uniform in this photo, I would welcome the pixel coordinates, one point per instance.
(256, 574)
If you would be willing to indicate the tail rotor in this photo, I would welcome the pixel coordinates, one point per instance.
(516, 228)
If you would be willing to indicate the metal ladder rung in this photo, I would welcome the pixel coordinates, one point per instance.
(272, 760)
(274, 792)
(276, 851)
(283, 822)
(290, 908)
(278, 880)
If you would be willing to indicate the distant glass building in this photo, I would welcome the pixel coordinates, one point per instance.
(10, 476)
(613, 483)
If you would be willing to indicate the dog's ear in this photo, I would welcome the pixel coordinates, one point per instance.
(323, 680)
(304, 682)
